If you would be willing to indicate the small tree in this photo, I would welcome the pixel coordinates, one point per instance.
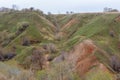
(32, 8)
(114, 10)
(106, 9)
(71, 12)
(49, 13)
(14, 7)
(67, 12)
(38, 60)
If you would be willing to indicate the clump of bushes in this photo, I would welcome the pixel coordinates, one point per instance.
(38, 59)
(23, 24)
(21, 27)
(22, 58)
(6, 37)
(32, 58)
(50, 48)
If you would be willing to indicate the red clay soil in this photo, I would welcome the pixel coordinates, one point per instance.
(66, 26)
(71, 22)
(3, 77)
(85, 65)
(82, 51)
(82, 57)
(117, 19)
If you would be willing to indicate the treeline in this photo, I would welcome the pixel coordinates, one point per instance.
(106, 9)
(15, 8)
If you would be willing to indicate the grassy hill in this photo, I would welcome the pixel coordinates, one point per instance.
(63, 30)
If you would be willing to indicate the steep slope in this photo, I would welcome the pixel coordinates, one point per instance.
(104, 30)
(40, 29)
(99, 25)
(86, 40)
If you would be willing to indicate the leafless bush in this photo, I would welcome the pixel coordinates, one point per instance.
(25, 41)
(37, 59)
(51, 48)
(115, 63)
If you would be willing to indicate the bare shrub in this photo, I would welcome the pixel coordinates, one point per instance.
(25, 41)
(37, 59)
(21, 27)
(50, 47)
(115, 63)
(1, 56)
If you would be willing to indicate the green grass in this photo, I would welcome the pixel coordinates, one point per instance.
(10, 21)
(100, 75)
(87, 26)
(24, 53)
(92, 29)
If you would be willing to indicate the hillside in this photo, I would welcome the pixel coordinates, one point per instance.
(51, 45)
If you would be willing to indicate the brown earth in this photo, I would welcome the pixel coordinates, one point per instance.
(117, 19)
(71, 22)
(83, 59)
(2, 77)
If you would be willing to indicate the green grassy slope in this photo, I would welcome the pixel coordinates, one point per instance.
(96, 28)
(39, 27)
(74, 28)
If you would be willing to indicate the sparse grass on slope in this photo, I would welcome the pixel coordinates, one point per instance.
(84, 26)
(92, 29)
